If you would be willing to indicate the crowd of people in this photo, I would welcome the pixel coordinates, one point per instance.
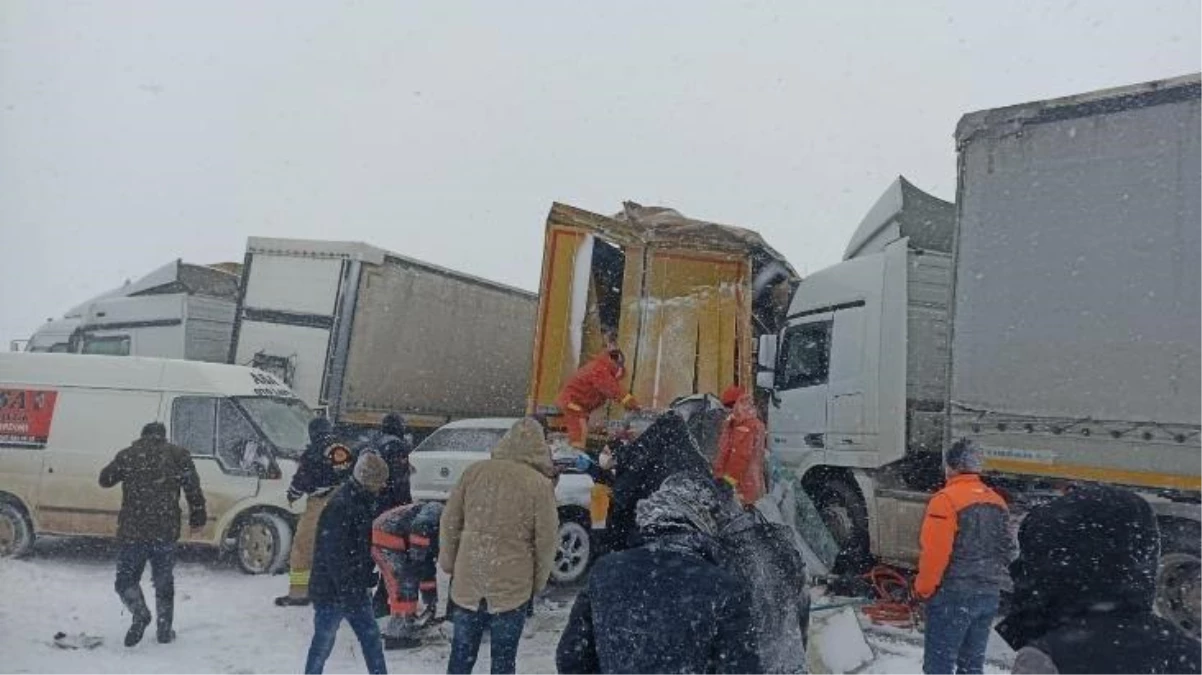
(692, 577)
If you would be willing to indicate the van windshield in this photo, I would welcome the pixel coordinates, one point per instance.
(285, 422)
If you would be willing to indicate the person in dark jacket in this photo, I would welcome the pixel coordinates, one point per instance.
(152, 472)
(325, 465)
(640, 467)
(394, 447)
(763, 553)
(1084, 585)
(666, 606)
(965, 547)
(404, 543)
(343, 570)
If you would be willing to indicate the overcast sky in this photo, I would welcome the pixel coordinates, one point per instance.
(134, 133)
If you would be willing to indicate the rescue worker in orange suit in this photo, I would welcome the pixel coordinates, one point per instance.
(404, 544)
(740, 460)
(589, 388)
(966, 550)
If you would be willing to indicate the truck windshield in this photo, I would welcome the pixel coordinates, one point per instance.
(285, 422)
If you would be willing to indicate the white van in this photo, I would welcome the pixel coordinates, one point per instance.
(63, 418)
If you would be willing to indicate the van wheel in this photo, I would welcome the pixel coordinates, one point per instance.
(264, 542)
(1179, 578)
(16, 532)
(574, 552)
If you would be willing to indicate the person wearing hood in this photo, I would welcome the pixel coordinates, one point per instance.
(404, 544)
(394, 447)
(765, 556)
(324, 466)
(740, 460)
(641, 466)
(152, 472)
(498, 538)
(965, 547)
(343, 570)
(667, 605)
(589, 388)
(1084, 585)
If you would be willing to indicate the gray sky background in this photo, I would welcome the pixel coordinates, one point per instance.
(133, 133)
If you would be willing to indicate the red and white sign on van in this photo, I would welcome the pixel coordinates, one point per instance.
(25, 416)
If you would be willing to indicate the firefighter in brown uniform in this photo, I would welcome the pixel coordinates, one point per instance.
(324, 466)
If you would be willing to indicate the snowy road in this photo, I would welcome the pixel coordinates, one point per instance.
(227, 623)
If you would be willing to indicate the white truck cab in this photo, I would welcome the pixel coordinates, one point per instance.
(63, 418)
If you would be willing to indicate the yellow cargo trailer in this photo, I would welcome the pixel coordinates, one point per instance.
(684, 299)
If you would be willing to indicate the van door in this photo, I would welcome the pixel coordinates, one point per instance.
(90, 427)
(219, 437)
(26, 417)
(799, 417)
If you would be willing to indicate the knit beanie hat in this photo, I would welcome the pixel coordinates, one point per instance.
(965, 457)
(371, 471)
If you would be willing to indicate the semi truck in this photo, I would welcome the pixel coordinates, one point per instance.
(360, 332)
(685, 301)
(178, 311)
(1051, 315)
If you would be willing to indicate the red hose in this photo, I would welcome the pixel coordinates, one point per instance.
(894, 603)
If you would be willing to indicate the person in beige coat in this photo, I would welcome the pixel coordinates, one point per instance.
(497, 540)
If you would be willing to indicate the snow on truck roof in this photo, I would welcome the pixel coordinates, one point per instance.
(1011, 119)
(354, 250)
(136, 373)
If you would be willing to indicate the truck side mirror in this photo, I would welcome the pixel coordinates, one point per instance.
(765, 379)
(766, 354)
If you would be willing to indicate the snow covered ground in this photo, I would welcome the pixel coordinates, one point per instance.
(227, 624)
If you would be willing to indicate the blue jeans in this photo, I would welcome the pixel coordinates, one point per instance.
(505, 630)
(958, 627)
(327, 618)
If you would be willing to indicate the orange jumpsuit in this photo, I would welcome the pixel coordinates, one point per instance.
(588, 389)
(740, 459)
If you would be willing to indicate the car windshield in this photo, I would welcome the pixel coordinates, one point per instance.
(285, 422)
(461, 440)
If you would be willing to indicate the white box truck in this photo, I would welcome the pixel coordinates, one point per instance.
(1052, 316)
(362, 331)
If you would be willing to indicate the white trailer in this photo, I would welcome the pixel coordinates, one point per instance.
(362, 331)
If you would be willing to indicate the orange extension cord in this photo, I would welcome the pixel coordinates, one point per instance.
(894, 605)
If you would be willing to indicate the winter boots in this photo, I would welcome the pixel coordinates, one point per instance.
(291, 601)
(135, 602)
(401, 633)
(164, 602)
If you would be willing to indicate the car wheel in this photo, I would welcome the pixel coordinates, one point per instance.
(1179, 578)
(16, 532)
(573, 555)
(264, 542)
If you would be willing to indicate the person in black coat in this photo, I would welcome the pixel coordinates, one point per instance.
(394, 447)
(1084, 584)
(665, 606)
(343, 569)
(641, 466)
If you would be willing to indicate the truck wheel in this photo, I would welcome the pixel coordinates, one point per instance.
(16, 532)
(1179, 579)
(574, 552)
(843, 511)
(264, 542)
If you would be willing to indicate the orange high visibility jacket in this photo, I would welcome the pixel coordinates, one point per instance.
(740, 459)
(590, 387)
(965, 539)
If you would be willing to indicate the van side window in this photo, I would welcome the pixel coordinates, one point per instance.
(116, 345)
(806, 357)
(194, 424)
(233, 433)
